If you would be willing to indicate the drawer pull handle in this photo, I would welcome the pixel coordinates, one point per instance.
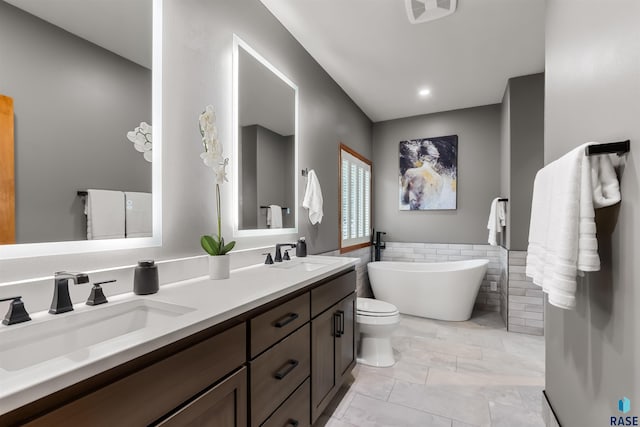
(286, 369)
(293, 423)
(286, 320)
(336, 325)
(341, 314)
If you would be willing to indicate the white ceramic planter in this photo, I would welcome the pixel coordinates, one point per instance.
(219, 266)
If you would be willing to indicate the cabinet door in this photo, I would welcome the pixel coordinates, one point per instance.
(323, 379)
(345, 343)
(225, 405)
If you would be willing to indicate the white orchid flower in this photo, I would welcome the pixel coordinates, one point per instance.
(210, 159)
(141, 137)
(221, 172)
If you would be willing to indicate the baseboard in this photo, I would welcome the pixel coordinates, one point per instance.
(548, 414)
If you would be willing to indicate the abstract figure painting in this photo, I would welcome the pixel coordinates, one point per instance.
(429, 173)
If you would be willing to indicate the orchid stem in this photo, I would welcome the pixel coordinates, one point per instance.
(218, 212)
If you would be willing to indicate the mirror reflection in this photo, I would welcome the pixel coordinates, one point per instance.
(75, 86)
(266, 146)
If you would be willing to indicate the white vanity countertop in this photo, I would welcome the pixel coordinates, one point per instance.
(210, 302)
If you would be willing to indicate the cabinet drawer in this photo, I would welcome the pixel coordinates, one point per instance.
(225, 405)
(295, 411)
(276, 373)
(148, 394)
(326, 295)
(270, 327)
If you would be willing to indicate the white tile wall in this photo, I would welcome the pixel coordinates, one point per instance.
(363, 289)
(526, 300)
(504, 285)
(440, 252)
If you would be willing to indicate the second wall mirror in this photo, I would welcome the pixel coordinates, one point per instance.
(265, 146)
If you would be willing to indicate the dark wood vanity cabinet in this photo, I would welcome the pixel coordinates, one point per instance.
(333, 351)
(277, 365)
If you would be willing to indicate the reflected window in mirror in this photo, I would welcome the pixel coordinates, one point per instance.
(265, 146)
(80, 78)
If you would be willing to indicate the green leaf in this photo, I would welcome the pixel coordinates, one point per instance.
(210, 245)
(227, 248)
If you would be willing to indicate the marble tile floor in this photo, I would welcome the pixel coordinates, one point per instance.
(448, 374)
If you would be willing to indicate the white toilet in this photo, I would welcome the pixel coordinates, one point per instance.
(376, 320)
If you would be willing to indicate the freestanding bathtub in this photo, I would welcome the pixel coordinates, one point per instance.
(439, 290)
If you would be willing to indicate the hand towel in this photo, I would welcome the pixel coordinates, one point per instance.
(274, 216)
(562, 230)
(313, 198)
(497, 220)
(138, 208)
(105, 214)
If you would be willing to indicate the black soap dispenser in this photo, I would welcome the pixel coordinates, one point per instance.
(301, 248)
(145, 278)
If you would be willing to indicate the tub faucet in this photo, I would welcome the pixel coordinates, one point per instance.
(61, 302)
(278, 257)
(378, 244)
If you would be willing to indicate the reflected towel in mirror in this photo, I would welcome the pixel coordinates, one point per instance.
(105, 214)
(274, 216)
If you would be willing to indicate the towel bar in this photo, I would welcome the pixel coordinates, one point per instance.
(619, 148)
(503, 200)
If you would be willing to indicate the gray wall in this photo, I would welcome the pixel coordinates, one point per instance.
(274, 174)
(327, 116)
(523, 150)
(248, 179)
(478, 131)
(197, 70)
(593, 94)
(74, 103)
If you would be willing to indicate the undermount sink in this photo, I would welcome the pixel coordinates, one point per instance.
(303, 264)
(26, 345)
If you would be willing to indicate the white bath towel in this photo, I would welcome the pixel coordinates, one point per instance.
(274, 216)
(138, 221)
(497, 220)
(313, 198)
(562, 232)
(105, 214)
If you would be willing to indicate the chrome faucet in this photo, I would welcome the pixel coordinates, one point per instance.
(278, 257)
(61, 302)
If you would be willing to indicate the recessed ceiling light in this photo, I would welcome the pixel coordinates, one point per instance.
(424, 92)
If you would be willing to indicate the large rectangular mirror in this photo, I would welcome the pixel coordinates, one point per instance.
(265, 146)
(76, 85)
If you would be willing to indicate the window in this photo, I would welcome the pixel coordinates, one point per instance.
(355, 200)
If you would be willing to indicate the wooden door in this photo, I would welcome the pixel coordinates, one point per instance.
(345, 344)
(225, 405)
(323, 331)
(7, 178)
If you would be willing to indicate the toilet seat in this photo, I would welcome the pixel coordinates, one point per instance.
(368, 307)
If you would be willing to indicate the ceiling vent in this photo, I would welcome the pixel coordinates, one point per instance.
(428, 10)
